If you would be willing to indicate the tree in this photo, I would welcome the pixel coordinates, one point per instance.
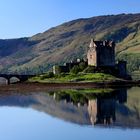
(82, 66)
(75, 69)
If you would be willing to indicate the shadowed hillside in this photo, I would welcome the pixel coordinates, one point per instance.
(69, 41)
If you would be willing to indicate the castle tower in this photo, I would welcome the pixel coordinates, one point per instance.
(92, 54)
(101, 53)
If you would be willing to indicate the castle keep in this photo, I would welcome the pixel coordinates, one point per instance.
(101, 53)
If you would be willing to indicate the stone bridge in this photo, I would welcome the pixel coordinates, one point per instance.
(21, 78)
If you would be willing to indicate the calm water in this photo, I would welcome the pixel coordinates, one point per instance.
(71, 114)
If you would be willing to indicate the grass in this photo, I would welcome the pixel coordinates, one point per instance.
(88, 77)
(131, 44)
(136, 75)
(81, 95)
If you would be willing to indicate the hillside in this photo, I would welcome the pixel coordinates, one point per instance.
(69, 41)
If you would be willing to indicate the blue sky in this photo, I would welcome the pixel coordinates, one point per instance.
(20, 18)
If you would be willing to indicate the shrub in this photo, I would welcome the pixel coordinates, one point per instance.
(89, 69)
(82, 66)
(47, 75)
(75, 69)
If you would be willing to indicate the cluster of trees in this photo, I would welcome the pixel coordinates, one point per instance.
(78, 68)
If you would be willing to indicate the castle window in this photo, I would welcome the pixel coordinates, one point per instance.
(90, 56)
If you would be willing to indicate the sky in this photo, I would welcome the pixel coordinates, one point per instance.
(24, 18)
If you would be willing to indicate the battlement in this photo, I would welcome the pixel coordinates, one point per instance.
(106, 43)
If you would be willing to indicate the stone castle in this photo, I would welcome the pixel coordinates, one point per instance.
(100, 56)
(101, 53)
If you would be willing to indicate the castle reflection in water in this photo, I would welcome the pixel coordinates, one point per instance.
(101, 108)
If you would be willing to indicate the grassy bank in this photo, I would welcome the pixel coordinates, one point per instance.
(61, 78)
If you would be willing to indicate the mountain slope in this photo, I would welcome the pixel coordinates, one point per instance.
(70, 41)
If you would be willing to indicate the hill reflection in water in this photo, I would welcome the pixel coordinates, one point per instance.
(106, 107)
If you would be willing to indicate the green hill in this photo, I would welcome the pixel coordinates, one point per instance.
(69, 41)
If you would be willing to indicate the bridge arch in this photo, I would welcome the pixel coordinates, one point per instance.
(3, 81)
(14, 79)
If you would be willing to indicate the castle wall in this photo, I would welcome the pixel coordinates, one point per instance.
(105, 56)
(60, 69)
(92, 57)
(67, 66)
(122, 68)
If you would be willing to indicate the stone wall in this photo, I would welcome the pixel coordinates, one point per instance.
(121, 65)
(92, 57)
(105, 55)
(67, 66)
